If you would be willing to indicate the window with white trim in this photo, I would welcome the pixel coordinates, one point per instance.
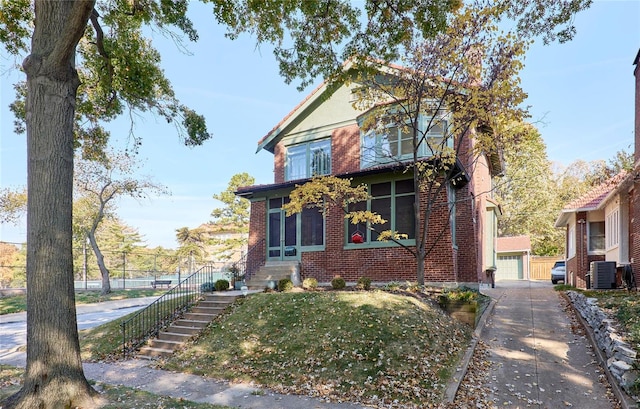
(596, 236)
(391, 143)
(612, 226)
(571, 242)
(308, 159)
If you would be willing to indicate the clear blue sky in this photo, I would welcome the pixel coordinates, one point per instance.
(581, 96)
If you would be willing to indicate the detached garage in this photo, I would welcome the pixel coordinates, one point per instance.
(513, 257)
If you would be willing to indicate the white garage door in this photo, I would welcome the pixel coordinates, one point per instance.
(509, 268)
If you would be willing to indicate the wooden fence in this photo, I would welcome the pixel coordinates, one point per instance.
(541, 266)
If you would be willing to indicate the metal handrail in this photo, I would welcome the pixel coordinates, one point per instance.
(251, 262)
(149, 321)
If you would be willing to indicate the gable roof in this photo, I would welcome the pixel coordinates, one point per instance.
(594, 199)
(324, 90)
(267, 141)
(513, 244)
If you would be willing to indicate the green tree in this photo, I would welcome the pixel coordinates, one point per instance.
(232, 218)
(526, 193)
(98, 183)
(89, 61)
(192, 243)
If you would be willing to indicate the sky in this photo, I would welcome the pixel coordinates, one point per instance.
(581, 98)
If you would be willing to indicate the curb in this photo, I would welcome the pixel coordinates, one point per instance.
(625, 401)
(454, 384)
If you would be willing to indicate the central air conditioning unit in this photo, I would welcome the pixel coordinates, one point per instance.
(603, 275)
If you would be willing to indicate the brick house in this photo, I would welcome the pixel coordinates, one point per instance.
(597, 228)
(322, 136)
(604, 224)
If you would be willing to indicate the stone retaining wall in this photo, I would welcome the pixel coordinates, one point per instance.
(620, 355)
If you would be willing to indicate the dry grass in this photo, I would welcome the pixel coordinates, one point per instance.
(372, 347)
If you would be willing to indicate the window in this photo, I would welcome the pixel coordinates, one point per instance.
(312, 227)
(451, 198)
(396, 142)
(393, 201)
(613, 228)
(596, 236)
(308, 159)
(571, 242)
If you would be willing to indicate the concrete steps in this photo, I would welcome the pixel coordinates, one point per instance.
(274, 271)
(181, 330)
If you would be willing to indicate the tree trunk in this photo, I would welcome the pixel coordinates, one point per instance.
(54, 377)
(104, 271)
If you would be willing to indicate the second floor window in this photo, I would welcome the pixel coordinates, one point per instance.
(308, 159)
(395, 143)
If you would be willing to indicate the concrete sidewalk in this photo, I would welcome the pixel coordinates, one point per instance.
(87, 308)
(138, 374)
(536, 359)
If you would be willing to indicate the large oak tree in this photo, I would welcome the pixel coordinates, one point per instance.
(88, 62)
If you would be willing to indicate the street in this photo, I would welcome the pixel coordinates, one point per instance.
(13, 327)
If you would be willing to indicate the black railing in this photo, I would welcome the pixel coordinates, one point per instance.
(147, 322)
(251, 262)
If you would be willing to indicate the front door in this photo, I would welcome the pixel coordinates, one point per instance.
(282, 232)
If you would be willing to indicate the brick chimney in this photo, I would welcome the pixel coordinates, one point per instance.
(636, 73)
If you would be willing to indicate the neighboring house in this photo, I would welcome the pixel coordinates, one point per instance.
(322, 136)
(514, 258)
(597, 228)
(604, 224)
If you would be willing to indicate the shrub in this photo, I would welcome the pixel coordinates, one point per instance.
(364, 283)
(285, 284)
(310, 283)
(392, 286)
(206, 287)
(222, 285)
(338, 283)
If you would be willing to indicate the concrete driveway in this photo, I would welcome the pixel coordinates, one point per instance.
(537, 360)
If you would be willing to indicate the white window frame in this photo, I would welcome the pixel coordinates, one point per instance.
(304, 152)
(376, 147)
(571, 241)
(590, 240)
(612, 229)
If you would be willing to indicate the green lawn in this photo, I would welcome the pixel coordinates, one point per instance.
(18, 303)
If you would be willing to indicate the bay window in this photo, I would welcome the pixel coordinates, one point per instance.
(395, 143)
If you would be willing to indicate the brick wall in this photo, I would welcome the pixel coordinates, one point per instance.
(444, 263)
(279, 154)
(345, 150)
(257, 236)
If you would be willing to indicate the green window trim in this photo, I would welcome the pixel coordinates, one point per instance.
(393, 200)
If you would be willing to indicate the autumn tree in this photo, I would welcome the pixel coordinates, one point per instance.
(98, 184)
(13, 204)
(438, 115)
(89, 62)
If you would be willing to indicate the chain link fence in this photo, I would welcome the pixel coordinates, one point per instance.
(139, 268)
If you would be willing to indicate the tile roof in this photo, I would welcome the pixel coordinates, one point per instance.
(598, 195)
(513, 243)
